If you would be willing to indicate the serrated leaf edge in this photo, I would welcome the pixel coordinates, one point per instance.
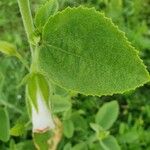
(128, 44)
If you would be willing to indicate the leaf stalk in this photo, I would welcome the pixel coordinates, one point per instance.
(27, 20)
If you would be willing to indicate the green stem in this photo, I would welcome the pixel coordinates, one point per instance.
(29, 28)
(34, 65)
(25, 10)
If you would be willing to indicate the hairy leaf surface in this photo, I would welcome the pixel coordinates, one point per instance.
(83, 51)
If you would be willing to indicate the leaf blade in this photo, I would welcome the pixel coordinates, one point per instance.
(46, 10)
(110, 143)
(107, 114)
(5, 125)
(92, 61)
(68, 128)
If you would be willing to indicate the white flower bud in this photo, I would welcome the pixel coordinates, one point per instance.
(42, 119)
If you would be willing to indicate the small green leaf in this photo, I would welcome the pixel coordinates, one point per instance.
(60, 104)
(11, 50)
(68, 146)
(32, 90)
(107, 114)
(80, 146)
(67, 114)
(27, 145)
(41, 140)
(46, 10)
(76, 118)
(95, 127)
(8, 48)
(18, 129)
(129, 137)
(95, 146)
(12, 145)
(35, 82)
(44, 87)
(60, 91)
(109, 143)
(68, 128)
(92, 61)
(4, 124)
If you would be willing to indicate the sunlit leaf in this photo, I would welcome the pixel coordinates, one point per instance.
(18, 129)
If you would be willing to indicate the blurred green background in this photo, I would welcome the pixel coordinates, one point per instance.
(132, 129)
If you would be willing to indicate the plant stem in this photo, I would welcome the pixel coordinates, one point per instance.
(29, 28)
(34, 65)
(25, 10)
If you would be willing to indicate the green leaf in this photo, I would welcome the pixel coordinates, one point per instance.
(18, 129)
(67, 114)
(95, 146)
(25, 145)
(68, 146)
(60, 91)
(35, 82)
(84, 51)
(107, 114)
(60, 104)
(41, 140)
(44, 87)
(129, 137)
(109, 143)
(12, 145)
(68, 128)
(46, 10)
(32, 90)
(76, 118)
(80, 146)
(4, 124)
(95, 127)
(8, 48)
(117, 12)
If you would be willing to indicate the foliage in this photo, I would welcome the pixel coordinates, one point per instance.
(4, 129)
(89, 61)
(131, 129)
